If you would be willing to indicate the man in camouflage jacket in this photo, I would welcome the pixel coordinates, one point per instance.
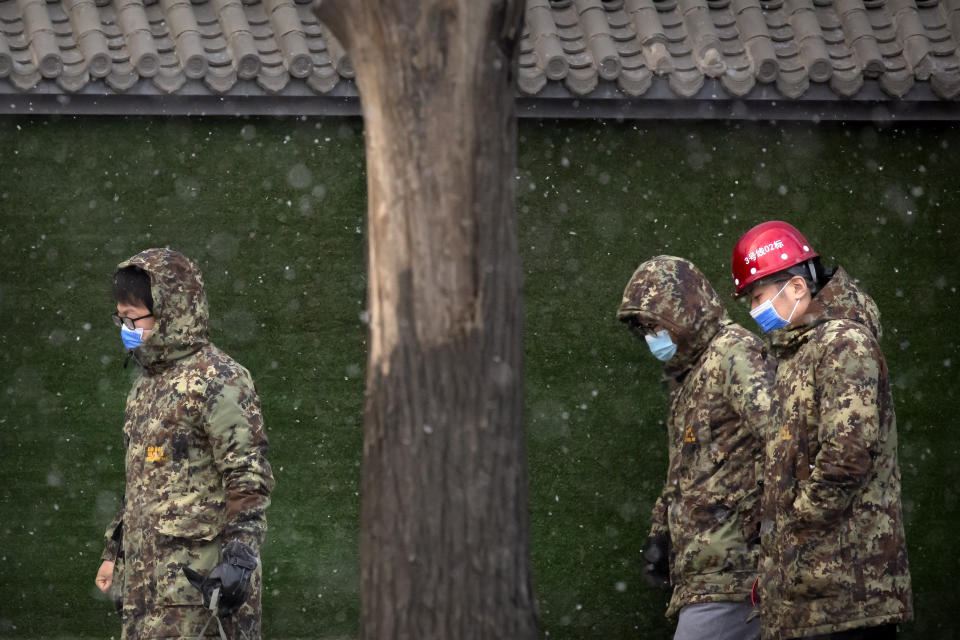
(197, 478)
(834, 552)
(719, 380)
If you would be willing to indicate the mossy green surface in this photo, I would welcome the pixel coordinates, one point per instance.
(273, 211)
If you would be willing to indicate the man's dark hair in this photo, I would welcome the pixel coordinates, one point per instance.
(131, 285)
(816, 275)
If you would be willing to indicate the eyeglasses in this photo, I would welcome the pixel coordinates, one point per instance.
(129, 323)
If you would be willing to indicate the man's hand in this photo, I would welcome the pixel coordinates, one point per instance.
(105, 576)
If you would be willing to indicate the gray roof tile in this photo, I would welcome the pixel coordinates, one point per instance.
(846, 82)
(635, 81)
(158, 46)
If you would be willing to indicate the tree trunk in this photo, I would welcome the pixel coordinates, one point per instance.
(444, 551)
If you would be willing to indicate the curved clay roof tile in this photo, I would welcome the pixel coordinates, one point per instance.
(614, 49)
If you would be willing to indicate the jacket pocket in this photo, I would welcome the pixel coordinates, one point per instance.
(813, 560)
(710, 542)
(173, 588)
(185, 540)
(188, 528)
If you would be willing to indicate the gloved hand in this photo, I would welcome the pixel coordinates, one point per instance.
(231, 576)
(656, 554)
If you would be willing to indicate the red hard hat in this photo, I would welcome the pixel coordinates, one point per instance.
(767, 248)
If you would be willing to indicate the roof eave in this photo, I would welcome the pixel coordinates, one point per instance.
(606, 101)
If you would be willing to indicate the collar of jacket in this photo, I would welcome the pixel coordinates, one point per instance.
(839, 299)
(158, 365)
(677, 368)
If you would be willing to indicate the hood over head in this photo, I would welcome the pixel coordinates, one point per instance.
(181, 317)
(673, 293)
(839, 299)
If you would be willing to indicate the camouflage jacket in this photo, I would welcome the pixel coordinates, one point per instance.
(719, 382)
(197, 476)
(834, 554)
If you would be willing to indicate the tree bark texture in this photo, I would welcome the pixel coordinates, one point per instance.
(444, 526)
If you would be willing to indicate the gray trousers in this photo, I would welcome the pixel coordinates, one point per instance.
(717, 621)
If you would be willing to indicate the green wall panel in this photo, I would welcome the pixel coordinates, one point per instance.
(273, 212)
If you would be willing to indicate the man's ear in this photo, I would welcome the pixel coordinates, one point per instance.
(798, 286)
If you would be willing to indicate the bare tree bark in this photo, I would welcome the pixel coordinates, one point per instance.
(444, 531)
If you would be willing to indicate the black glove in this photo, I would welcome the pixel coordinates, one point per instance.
(656, 556)
(231, 576)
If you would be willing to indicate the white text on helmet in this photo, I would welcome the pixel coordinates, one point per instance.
(761, 251)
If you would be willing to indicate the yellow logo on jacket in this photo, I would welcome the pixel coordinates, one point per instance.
(785, 433)
(688, 435)
(156, 454)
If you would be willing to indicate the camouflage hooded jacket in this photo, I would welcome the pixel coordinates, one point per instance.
(834, 554)
(197, 476)
(719, 382)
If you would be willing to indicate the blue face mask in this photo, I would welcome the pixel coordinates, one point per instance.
(768, 318)
(132, 338)
(661, 346)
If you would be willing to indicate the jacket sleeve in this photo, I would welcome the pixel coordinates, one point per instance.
(751, 374)
(750, 378)
(113, 536)
(847, 380)
(658, 518)
(235, 428)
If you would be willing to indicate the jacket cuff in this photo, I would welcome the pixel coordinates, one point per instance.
(658, 529)
(247, 538)
(110, 552)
